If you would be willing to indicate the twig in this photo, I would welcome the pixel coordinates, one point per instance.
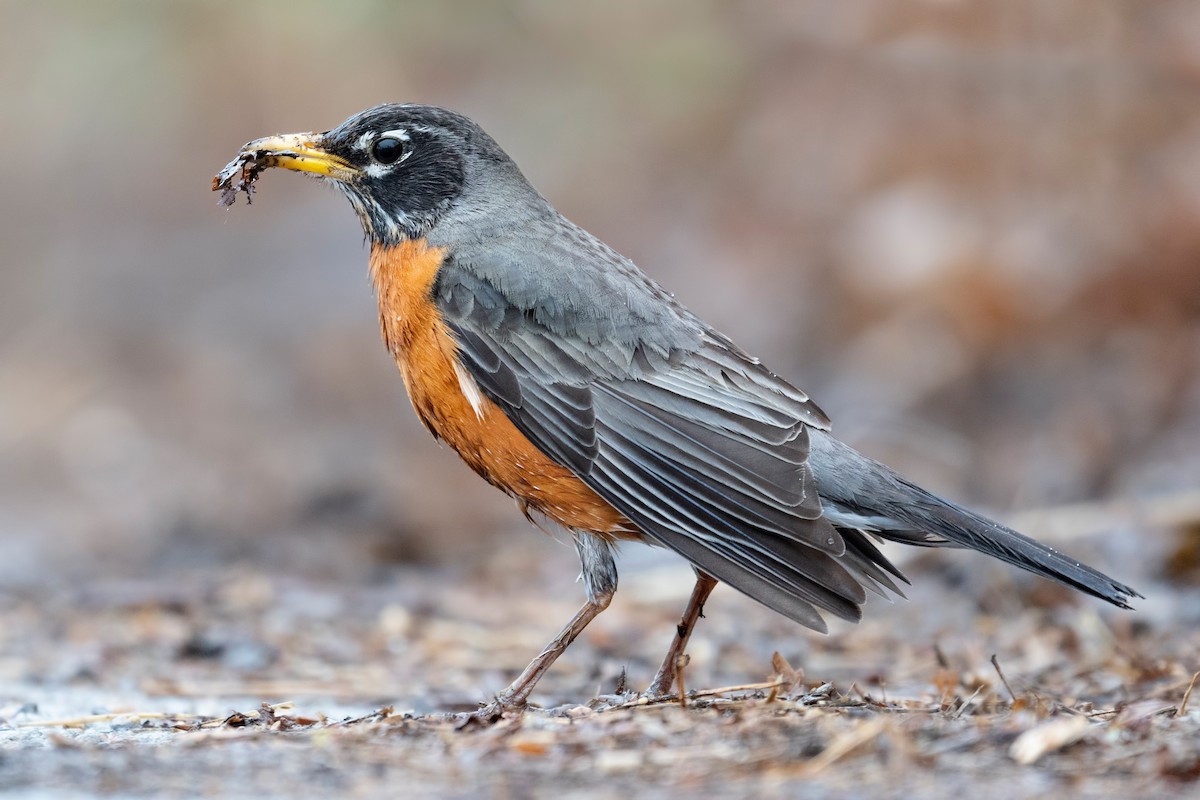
(747, 687)
(940, 656)
(681, 662)
(378, 715)
(765, 686)
(962, 708)
(1004, 680)
(1110, 712)
(1179, 712)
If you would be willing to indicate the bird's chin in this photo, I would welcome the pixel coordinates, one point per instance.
(375, 223)
(379, 226)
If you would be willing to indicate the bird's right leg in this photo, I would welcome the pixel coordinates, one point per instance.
(599, 572)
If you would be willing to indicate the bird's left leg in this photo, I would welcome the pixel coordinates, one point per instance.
(599, 572)
(683, 631)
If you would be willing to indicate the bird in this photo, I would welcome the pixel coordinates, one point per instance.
(570, 380)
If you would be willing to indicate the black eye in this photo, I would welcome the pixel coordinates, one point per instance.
(387, 150)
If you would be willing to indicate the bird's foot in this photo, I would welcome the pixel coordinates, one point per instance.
(488, 715)
(670, 673)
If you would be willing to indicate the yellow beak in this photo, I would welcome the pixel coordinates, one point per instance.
(303, 152)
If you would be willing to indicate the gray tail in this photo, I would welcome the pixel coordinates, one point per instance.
(963, 528)
(896, 509)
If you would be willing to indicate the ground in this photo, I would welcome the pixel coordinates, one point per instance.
(246, 680)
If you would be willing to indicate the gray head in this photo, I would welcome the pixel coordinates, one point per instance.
(405, 168)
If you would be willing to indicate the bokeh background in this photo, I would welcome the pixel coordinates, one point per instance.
(970, 230)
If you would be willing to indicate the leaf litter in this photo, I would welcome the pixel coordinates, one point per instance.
(922, 697)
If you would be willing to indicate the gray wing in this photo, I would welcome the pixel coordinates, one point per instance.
(690, 438)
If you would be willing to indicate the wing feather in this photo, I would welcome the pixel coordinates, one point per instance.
(693, 440)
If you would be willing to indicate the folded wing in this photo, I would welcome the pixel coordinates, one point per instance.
(691, 439)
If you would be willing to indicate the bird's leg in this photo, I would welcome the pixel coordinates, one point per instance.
(517, 693)
(695, 609)
(599, 573)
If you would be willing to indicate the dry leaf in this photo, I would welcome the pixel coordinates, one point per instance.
(1047, 737)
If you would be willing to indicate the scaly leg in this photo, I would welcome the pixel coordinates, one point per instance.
(599, 573)
(695, 609)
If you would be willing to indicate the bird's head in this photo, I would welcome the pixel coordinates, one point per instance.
(403, 167)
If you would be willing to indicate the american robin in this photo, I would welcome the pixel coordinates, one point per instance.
(571, 381)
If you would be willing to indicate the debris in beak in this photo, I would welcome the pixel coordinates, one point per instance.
(239, 175)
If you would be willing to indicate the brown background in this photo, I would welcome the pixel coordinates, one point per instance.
(968, 229)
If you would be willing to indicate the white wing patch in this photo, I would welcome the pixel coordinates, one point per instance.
(469, 388)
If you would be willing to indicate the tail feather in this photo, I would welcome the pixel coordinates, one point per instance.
(860, 492)
(965, 528)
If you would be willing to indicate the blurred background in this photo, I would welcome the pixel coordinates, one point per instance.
(970, 230)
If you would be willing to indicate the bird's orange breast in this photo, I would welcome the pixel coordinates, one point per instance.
(450, 406)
